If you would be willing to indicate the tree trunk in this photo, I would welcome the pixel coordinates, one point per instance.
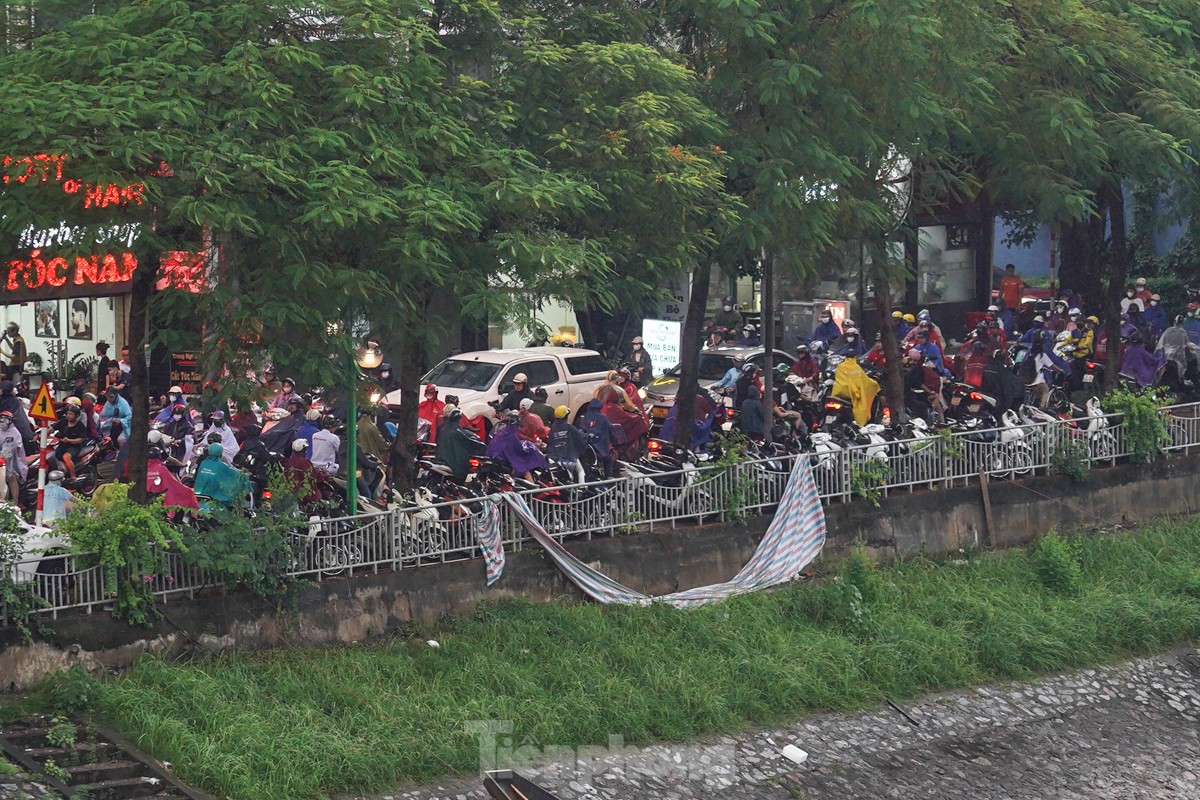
(139, 306)
(891, 350)
(409, 364)
(1116, 273)
(768, 340)
(693, 334)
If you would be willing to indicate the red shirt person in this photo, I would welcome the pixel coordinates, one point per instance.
(430, 410)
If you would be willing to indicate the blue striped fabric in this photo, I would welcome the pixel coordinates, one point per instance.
(488, 535)
(792, 541)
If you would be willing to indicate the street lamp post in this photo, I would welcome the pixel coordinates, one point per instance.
(367, 356)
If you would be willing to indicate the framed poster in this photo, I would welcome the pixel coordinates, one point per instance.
(46, 322)
(79, 318)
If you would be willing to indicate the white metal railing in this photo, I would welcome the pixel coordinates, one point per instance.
(428, 533)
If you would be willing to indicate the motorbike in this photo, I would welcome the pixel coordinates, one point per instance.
(669, 482)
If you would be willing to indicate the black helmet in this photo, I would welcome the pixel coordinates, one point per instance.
(1135, 337)
(214, 437)
(540, 393)
(751, 368)
(386, 366)
(155, 453)
(292, 381)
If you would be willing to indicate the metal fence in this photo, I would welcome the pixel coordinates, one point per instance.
(428, 533)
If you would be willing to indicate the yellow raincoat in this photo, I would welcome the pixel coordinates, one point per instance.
(850, 382)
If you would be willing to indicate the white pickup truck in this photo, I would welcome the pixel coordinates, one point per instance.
(568, 374)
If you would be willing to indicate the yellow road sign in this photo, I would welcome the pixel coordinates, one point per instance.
(43, 406)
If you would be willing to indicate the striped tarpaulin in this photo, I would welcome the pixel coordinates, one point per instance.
(794, 539)
(487, 533)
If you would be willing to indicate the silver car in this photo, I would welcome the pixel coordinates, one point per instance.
(714, 363)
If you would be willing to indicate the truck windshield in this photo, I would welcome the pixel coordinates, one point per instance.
(474, 375)
(712, 367)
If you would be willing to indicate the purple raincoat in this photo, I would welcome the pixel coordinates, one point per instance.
(523, 456)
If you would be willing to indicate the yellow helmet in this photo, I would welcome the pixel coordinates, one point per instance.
(1094, 320)
(561, 412)
(897, 315)
(910, 319)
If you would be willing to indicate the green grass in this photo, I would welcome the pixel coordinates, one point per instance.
(307, 723)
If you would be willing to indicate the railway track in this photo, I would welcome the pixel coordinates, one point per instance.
(82, 759)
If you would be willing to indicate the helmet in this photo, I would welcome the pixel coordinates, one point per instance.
(636, 340)
(430, 387)
(751, 369)
(451, 412)
(520, 378)
(55, 476)
(897, 315)
(924, 314)
(294, 401)
(154, 437)
(289, 381)
(89, 396)
(299, 445)
(561, 412)
(1074, 312)
(802, 349)
(1094, 319)
(526, 404)
(993, 324)
(6, 415)
(1155, 298)
(782, 368)
(1039, 319)
(1140, 282)
(1135, 337)
(155, 453)
(73, 401)
(215, 450)
(312, 415)
(749, 328)
(993, 309)
(625, 371)
(174, 390)
(910, 319)
(213, 437)
(848, 323)
(385, 366)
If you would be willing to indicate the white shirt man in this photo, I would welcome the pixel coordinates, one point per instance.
(325, 444)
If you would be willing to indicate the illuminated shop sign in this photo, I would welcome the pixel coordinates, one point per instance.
(39, 272)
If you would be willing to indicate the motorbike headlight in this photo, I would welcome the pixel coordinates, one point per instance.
(375, 398)
(642, 392)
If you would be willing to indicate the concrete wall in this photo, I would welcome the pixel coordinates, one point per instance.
(358, 608)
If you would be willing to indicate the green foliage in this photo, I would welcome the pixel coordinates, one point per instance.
(18, 598)
(1071, 457)
(69, 691)
(868, 478)
(734, 447)
(860, 571)
(1144, 425)
(952, 445)
(309, 723)
(129, 541)
(1056, 565)
(7, 768)
(81, 366)
(62, 732)
(252, 553)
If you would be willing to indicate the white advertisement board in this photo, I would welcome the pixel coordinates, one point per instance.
(661, 338)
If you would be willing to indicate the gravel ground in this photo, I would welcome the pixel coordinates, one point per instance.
(1131, 731)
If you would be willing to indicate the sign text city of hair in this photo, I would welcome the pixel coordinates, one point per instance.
(42, 274)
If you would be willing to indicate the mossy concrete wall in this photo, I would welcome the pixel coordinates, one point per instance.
(357, 608)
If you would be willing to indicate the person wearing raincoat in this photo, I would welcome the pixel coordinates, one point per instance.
(224, 485)
(852, 383)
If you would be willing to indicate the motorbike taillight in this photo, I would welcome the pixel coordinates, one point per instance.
(1091, 365)
(654, 445)
(833, 405)
(266, 495)
(474, 464)
(976, 396)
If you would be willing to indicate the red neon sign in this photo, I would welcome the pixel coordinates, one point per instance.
(44, 168)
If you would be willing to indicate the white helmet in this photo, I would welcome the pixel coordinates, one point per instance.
(1074, 312)
(154, 437)
(993, 309)
(299, 445)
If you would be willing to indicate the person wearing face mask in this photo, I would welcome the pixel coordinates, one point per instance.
(71, 433)
(1143, 293)
(12, 404)
(729, 316)
(180, 429)
(849, 344)
(1130, 300)
(175, 397)
(639, 362)
(229, 443)
(115, 407)
(826, 331)
(1155, 317)
(388, 382)
(12, 450)
(749, 337)
(287, 393)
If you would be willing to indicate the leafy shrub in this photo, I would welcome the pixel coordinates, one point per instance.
(129, 541)
(69, 691)
(19, 599)
(860, 572)
(1056, 565)
(868, 478)
(1071, 458)
(1145, 428)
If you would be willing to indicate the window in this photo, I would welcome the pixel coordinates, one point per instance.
(539, 373)
(586, 365)
(455, 374)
